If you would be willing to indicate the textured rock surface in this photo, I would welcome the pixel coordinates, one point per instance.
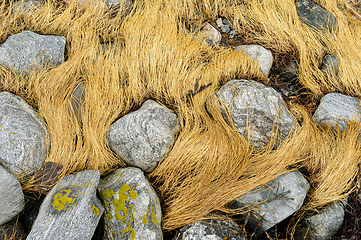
(12, 230)
(273, 202)
(27, 50)
(132, 208)
(11, 196)
(323, 225)
(255, 107)
(336, 106)
(210, 230)
(330, 65)
(122, 3)
(260, 54)
(71, 210)
(77, 100)
(27, 6)
(142, 138)
(23, 135)
(315, 16)
(212, 36)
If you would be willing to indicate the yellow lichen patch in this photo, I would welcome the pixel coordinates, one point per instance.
(106, 204)
(109, 217)
(62, 201)
(131, 230)
(108, 193)
(95, 210)
(154, 217)
(115, 234)
(145, 217)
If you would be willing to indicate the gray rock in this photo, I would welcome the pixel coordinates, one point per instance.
(315, 16)
(114, 3)
(273, 202)
(225, 28)
(71, 210)
(338, 110)
(219, 22)
(132, 208)
(212, 35)
(210, 230)
(142, 138)
(260, 54)
(254, 109)
(232, 33)
(289, 73)
(11, 196)
(12, 230)
(27, 50)
(23, 136)
(322, 225)
(330, 65)
(27, 6)
(77, 100)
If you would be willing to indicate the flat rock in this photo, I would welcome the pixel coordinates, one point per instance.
(330, 65)
(27, 50)
(23, 136)
(12, 230)
(11, 196)
(273, 202)
(315, 16)
(71, 210)
(210, 230)
(211, 34)
(259, 54)
(338, 110)
(322, 225)
(142, 138)
(254, 109)
(132, 208)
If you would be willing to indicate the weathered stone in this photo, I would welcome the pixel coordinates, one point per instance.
(12, 230)
(259, 54)
(23, 136)
(77, 100)
(315, 16)
(11, 196)
(27, 50)
(212, 36)
(142, 138)
(31, 210)
(338, 110)
(330, 65)
(132, 208)
(254, 109)
(210, 230)
(71, 210)
(27, 6)
(322, 225)
(289, 73)
(122, 3)
(273, 202)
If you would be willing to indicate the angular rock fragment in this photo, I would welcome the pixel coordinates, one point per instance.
(212, 36)
(132, 208)
(330, 65)
(11, 196)
(254, 109)
(273, 202)
(71, 210)
(12, 230)
(23, 136)
(259, 54)
(211, 230)
(142, 138)
(27, 50)
(338, 110)
(322, 225)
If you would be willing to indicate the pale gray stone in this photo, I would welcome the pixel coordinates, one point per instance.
(122, 3)
(132, 208)
(142, 138)
(27, 6)
(274, 202)
(259, 54)
(23, 136)
(212, 35)
(71, 210)
(27, 50)
(322, 225)
(211, 230)
(338, 110)
(11, 196)
(254, 109)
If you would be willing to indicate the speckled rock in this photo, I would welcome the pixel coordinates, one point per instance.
(11, 196)
(211, 35)
(27, 6)
(23, 136)
(210, 230)
(27, 50)
(12, 230)
(276, 201)
(254, 108)
(259, 54)
(322, 225)
(71, 210)
(315, 16)
(330, 65)
(142, 138)
(132, 208)
(336, 106)
(77, 100)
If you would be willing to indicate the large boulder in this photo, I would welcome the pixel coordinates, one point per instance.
(11, 196)
(71, 210)
(142, 138)
(261, 55)
(132, 208)
(254, 109)
(23, 136)
(273, 202)
(28, 50)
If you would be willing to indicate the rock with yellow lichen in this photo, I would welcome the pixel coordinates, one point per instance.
(132, 208)
(71, 210)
